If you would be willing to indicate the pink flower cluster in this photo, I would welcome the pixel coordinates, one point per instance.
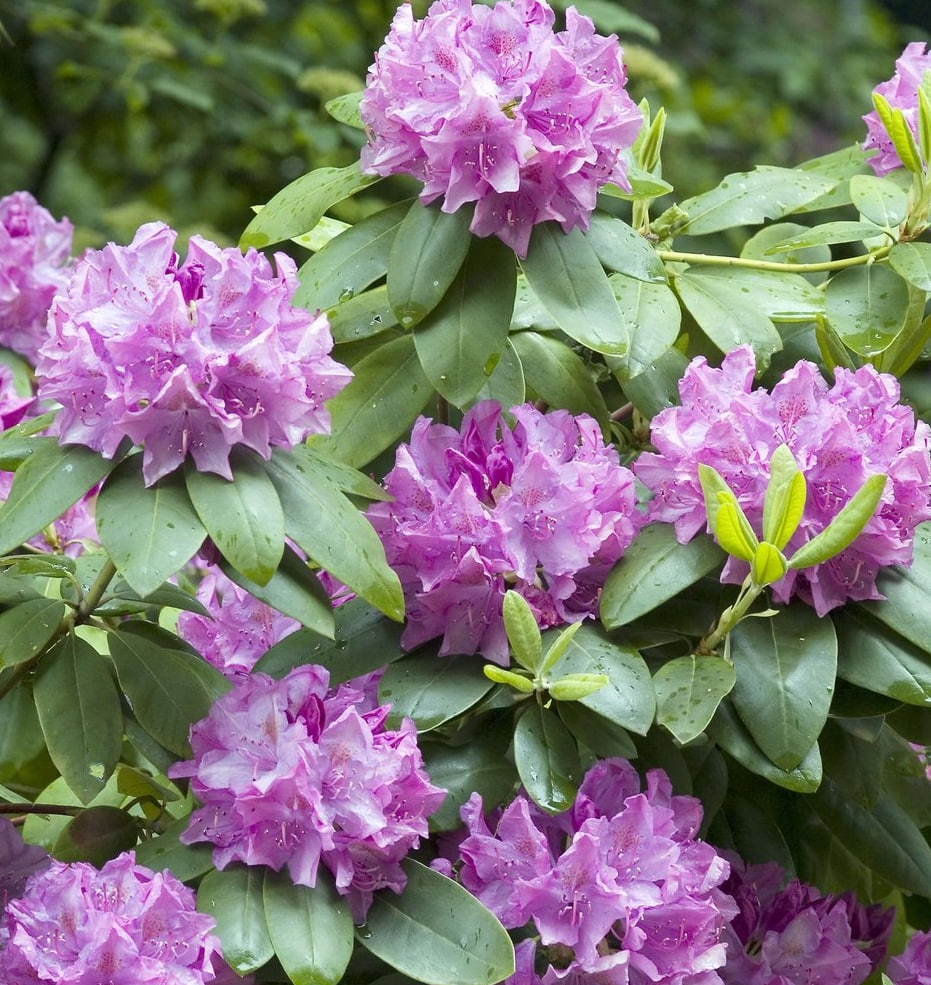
(545, 508)
(190, 359)
(34, 255)
(616, 891)
(489, 105)
(794, 935)
(239, 628)
(123, 924)
(839, 435)
(292, 774)
(913, 965)
(901, 92)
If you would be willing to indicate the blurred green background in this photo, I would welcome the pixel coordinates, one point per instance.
(115, 112)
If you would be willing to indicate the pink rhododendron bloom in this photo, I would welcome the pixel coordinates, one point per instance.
(913, 965)
(545, 508)
(34, 253)
(616, 890)
(292, 774)
(186, 360)
(839, 436)
(901, 92)
(123, 924)
(489, 105)
(239, 629)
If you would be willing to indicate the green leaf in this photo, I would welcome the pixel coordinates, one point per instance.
(628, 699)
(767, 244)
(426, 255)
(657, 387)
(785, 498)
(335, 534)
(506, 384)
(242, 517)
(900, 133)
(785, 680)
(387, 392)
(79, 709)
(150, 532)
(50, 480)
(343, 476)
(299, 206)
(750, 198)
(345, 109)
(234, 898)
(294, 590)
(45, 830)
(350, 262)
(574, 687)
(727, 315)
(623, 250)
(867, 307)
(460, 342)
(432, 689)
(602, 736)
(122, 600)
(652, 315)
(568, 278)
(166, 852)
(523, 633)
(643, 185)
(361, 317)
(27, 628)
(168, 690)
(782, 297)
(96, 835)
(436, 932)
(879, 200)
(16, 588)
(688, 692)
(654, 569)
(558, 647)
(547, 759)
(842, 231)
(558, 375)
(913, 262)
(310, 928)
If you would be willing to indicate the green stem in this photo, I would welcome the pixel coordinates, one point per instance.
(713, 260)
(95, 593)
(732, 615)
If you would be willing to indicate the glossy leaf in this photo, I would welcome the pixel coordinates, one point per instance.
(688, 692)
(432, 690)
(96, 835)
(783, 297)
(654, 569)
(300, 205)
(166, 852)
(596, 732)
(168, 690)
(387, 392)
(841, 231)
(426, 255)
(149, 531)
(234, 898)
(879, 200)
(547, 759)
(623, 250)
(79, 709)
(913, 262)
(522, 631)
(45, 830)
(243, 517)
(361, 317)
(310, 928)
(652, 314)
(27, 628)
(345, 110)
(657, 387)
(867, 306)
(437, 933)
(767, 244)
(785, 668)
(784, 502)
(344, 477)
(569, 280)
(320, 518)
(506, 384)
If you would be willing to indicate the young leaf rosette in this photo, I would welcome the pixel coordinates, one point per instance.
(489, 105)
(185, 358)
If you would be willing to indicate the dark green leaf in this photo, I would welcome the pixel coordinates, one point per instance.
(866, 307)
(234, 898)
(657, 387)
(688, 692)
(79, 709)
(343, 476)
(335, 534)
(569, 280)
(506, 384)
(432, 689)
(547, 759)
(596, 732)
(27, 628)
(782, 297)
(96, 835)
(436, 932)
(16, 588)
(652, 315)
(785, 667)
(310, 928)
(242, 517)
(122, 599)
(166, 852)
(654, 569)
(363, 316)
(149, 531)
(622, 249)
(460, 342)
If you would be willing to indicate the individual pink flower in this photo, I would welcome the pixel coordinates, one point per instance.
(239, 629)
(489, 105)
(913, 965)
(34, 266)
(186, 360)
(292, 774)
(901, 92)
(123, 924)
(839, 436)
(545, 508)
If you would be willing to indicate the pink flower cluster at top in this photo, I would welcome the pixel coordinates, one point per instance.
(123, 924)
(901, 92)
(34, 254)
(618, 890)
(185, 360)
(489, 105)
(292, 774)
(546, 509)
(839, 435)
